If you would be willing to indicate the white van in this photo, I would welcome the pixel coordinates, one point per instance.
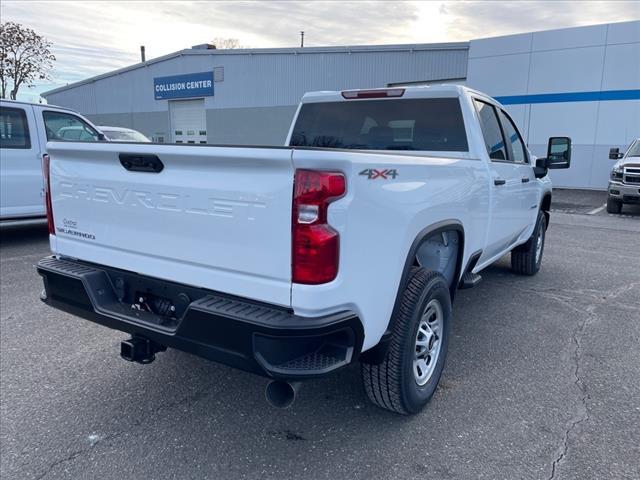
(25, 129)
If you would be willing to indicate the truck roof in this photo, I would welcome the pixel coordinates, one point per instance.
(410, 91)
(42, 105)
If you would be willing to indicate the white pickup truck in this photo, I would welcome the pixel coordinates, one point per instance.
(25, 129)
(346, 245)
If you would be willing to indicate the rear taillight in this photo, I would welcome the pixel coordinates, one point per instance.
(315, 245)
(47, 194)
(377, 93)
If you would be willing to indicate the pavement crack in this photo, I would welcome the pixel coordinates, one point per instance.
(567, 297)
(73, 455)
(582, 413)
(59, 462)
(588, 314)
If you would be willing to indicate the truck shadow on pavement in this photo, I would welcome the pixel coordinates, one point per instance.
(14, 235)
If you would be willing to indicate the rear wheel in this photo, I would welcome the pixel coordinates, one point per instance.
(527, 258)
(409, 374)
(613, 206)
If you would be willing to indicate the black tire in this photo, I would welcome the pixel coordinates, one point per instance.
(613, 206)
(392, 384)
(523, 257)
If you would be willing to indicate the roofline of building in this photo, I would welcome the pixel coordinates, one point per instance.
(409, 47)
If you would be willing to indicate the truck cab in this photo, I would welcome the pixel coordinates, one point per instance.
(25, 129)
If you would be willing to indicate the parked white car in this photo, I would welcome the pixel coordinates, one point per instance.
(25, 129)
(346, 245)
(121, 134)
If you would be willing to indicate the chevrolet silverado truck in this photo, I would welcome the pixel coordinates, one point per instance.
(624, 182)
(346, 245)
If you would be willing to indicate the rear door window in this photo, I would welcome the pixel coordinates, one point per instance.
(14, 129)
(68, 127)
(515, 145)
(491, 131)
(427, 124)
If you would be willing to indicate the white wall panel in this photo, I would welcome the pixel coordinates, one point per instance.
(622, 67)
(624, 32)
(573, 70)
(618, 122)
(569, 38)
(507, 45)
(501, 75)
(576, 120)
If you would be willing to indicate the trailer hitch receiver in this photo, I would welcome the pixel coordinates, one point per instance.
(140, 350)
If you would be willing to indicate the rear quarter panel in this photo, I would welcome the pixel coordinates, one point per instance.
(378, 220)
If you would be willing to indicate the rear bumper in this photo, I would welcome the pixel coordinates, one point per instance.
(252, 336)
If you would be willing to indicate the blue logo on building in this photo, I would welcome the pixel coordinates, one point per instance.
(183, 86)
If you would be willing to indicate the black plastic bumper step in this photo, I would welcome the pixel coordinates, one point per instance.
(470, 280)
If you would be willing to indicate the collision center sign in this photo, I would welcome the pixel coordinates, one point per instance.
(183, 86)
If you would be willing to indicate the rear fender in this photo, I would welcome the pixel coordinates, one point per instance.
(377, 353)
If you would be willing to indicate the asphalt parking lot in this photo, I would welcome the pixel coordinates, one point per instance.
(542, 381)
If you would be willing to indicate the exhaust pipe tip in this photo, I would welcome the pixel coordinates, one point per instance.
(281, 394)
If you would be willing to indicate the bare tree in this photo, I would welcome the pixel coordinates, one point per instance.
(25, 57)
(226, 43)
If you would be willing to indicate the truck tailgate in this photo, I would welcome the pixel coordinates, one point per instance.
(214, 217)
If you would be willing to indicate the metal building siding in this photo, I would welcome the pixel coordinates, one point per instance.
(81, 99)
(273, 80)
(266, 79)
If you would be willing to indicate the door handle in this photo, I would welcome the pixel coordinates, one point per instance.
(525, 179)
(499, 181)
(135, 162)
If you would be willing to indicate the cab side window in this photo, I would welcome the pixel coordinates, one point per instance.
(68, 127)
(491, 131)
(14, 129)
(515, 145)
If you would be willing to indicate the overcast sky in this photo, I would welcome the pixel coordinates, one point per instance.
(91, 38)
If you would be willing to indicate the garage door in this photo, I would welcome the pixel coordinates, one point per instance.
(188, 121)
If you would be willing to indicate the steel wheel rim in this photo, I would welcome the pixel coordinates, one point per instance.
(539, 244)
(428, 342)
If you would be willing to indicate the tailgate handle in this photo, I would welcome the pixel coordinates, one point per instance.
(139, 162)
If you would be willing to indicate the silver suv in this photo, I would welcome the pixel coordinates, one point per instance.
(624, 182)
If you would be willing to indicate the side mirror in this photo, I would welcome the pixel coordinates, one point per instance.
(540, 169)
(101, 137)
(558, 153)
(614, 154)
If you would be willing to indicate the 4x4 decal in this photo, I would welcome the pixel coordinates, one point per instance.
(372, 173)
